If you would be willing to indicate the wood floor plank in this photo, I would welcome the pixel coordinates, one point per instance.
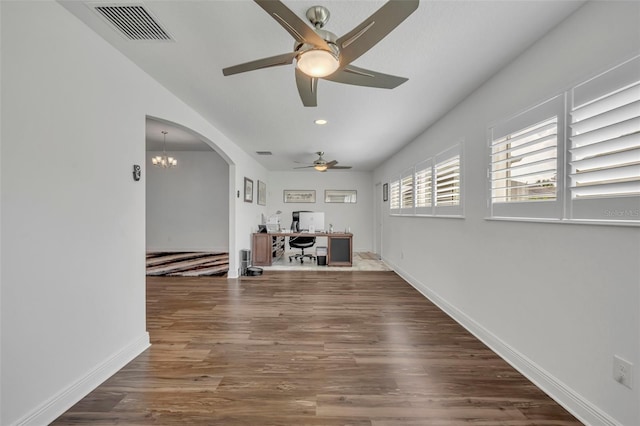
(310, 348)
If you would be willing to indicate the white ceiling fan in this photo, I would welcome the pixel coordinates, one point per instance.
(321, 54)
(323, 165)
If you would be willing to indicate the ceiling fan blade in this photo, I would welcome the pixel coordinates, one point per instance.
(332, 165)
(373, 29)
(272, 61)
(298, 29)
(303, 167)
(307, 88)
(363, 77)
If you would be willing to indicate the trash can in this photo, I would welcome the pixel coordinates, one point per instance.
(245, 261)
(321, 255)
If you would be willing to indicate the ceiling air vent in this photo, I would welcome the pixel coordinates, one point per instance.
(134, 21)
(264, 153)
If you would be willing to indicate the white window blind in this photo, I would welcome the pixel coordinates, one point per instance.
(447, 188)
(424, 187)
(447, 182)
(394, 195)
(524, 164)
(604, 145)
(432, 187)
(406, 192)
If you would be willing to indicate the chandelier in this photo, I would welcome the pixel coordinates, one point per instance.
(164, 160)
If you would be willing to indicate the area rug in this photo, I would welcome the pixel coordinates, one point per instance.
(187, 264)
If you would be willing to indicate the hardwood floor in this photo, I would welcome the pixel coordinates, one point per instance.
(312, 348)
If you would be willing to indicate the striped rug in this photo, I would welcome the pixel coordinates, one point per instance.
(187, 264)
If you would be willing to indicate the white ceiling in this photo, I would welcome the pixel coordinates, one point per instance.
(446, 49)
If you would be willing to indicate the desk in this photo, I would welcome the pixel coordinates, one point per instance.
(267, 245)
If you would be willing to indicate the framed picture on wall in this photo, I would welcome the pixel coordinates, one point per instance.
(340, 196)
(248, 190)
(262, 193)
(299, 196)
(385, 192)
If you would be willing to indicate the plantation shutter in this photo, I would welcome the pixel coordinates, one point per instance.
(406, 192)
(394, 196)
(604, 175)
(424, 187)
(525, 163)
(447, 182)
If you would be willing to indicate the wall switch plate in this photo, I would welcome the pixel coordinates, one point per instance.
(623, 371)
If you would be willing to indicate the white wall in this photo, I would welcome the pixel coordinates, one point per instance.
(358, 216)
(188, 206)
(73, 219)
(558, 301)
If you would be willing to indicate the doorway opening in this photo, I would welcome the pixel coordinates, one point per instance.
(187, 206)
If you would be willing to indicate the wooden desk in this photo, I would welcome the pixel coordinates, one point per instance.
(267, 245)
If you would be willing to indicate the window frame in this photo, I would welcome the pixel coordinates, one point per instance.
(407, 175)
(605, 210)
(433, 210)
(429, 208)
(616, 80)
(545, 209)
(394, 195)
(449, 210)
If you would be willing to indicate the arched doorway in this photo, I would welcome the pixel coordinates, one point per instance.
(188, 208)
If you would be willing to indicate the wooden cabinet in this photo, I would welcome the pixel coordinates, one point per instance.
(261, 250)
(265, 247)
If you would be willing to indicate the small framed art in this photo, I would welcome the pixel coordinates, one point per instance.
(248, 190)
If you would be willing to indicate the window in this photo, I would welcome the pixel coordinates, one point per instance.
(525, 161)
(424, 187)
(524, 164)
(432, 187)
(447, 178)
(448, 182)
(591, 174)
(406, 192)
(394, 196)
(604, 145)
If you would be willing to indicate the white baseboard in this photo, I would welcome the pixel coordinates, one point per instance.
(66, 398)
(573, 402)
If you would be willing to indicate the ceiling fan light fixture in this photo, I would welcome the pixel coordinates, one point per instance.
(317, 63)
(320, 167)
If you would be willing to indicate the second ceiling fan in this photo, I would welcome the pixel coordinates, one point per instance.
(321, 54)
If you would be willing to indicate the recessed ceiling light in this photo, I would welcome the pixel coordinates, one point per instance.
(321, 122)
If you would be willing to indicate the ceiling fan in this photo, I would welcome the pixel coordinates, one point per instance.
(320, 54)
(323, 165)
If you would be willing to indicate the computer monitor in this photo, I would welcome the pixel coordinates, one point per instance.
(311, 221)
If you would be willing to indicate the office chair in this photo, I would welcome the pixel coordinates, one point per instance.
(301, 242)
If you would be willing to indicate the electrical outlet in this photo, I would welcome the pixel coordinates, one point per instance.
(623, 371)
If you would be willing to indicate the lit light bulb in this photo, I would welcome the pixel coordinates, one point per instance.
(317, 63)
